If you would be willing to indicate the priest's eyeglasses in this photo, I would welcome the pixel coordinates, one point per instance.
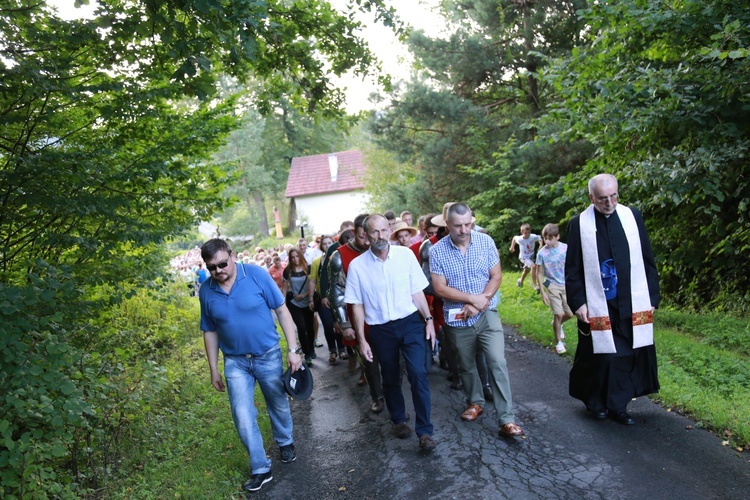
(604, 199)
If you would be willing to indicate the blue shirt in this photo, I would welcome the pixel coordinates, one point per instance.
(202, 275)
(242, 317)
(468, 273)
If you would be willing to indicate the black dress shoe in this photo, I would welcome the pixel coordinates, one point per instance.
(621, 417)
(597, 414)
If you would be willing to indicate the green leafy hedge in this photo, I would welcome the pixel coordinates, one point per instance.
(78, 379)
(43, 403)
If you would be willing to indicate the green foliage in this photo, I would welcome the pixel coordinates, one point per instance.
(257, 156)
(721, 331)
(90, 160)
(42, 402)
(466, 124)
(108, 127)
(522, 102)
(172, 449)
(661, 91)
(75, 401)
(388, 181)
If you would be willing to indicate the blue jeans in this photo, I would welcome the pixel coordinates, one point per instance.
(241, 373)
(405, 336)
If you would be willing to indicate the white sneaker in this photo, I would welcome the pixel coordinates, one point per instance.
(560, 348)
(519, 283)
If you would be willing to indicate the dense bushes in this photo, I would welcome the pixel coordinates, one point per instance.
(43, 404)
(75, 385)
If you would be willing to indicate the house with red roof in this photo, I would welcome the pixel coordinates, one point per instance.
(327, 189)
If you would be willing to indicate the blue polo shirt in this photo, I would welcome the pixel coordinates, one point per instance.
(243, 316)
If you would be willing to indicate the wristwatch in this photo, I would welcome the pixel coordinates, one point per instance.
(428, 318)
(296, 350)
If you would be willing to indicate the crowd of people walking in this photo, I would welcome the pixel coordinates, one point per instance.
(391, 297)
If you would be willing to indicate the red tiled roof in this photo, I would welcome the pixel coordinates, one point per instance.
(312, 175)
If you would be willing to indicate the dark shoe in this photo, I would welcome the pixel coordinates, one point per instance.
(444, 364)
(308, 360)
(287, 454)
(426, 443)
(256, 481)
(510, 430)
(457, 385)
(487, 390)
(621, 417)
(597, 414)
(377, 405)
(332, 358)
(402, 430)
(471, 413)
(343, 355)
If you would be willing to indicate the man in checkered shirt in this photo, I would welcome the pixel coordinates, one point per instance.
(465, 271)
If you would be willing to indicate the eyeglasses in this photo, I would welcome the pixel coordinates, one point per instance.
(221, 265)
(605, 199)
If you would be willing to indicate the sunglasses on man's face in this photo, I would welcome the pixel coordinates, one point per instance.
(221, 265)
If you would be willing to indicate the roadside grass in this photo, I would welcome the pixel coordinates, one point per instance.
(188, 446)
(704, 360)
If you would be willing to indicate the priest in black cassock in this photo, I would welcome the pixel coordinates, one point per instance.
(612, 284)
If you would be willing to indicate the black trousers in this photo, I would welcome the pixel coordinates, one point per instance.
(303, 320)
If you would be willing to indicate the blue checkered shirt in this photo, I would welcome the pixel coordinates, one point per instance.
(467, 273)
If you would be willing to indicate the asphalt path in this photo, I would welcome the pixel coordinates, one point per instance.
(344, 450)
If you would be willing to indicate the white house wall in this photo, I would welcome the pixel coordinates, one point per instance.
(325, 213)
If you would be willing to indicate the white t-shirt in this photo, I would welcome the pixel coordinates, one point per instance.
(526, 246)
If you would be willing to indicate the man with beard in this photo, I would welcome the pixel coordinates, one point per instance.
(339, 267)
(385, 288)
(612, 284)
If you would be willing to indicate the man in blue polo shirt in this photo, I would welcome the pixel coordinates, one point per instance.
(236, 303)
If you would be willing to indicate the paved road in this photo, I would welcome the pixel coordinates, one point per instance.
(346, 451)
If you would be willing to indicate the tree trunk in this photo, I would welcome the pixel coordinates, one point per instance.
(260, 206)
(292, 220)
(531, 64)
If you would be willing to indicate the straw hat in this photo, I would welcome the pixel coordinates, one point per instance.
(439, 220)
(400, 226)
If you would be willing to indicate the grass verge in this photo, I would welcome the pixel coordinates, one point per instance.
(704, 360)
(188, 447)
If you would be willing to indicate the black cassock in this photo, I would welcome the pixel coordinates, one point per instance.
(610, 381)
